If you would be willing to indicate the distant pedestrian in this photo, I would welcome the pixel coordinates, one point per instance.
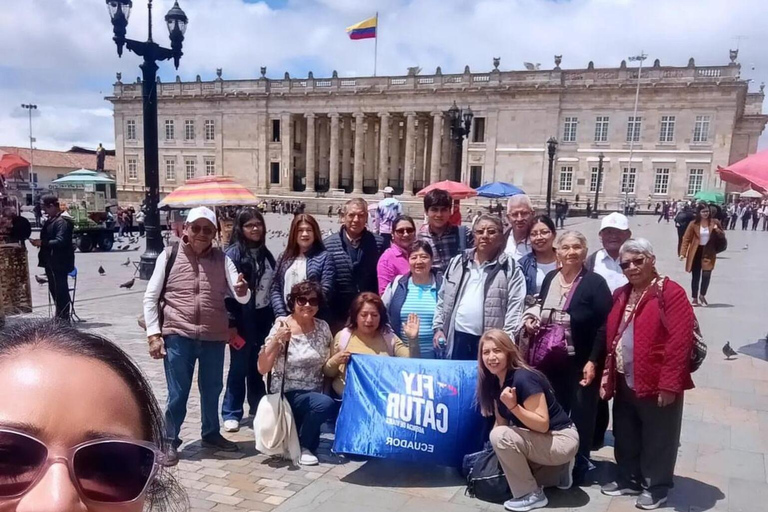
(699, 251)
(387, 210)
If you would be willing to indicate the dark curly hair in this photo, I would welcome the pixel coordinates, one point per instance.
(357, 305)
(305, 289)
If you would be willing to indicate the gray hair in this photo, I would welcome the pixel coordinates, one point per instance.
(357, 201)
(490, 218)
(519, 200)
(571, 234)
(637, 246)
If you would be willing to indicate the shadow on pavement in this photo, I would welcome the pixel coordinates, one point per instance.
(720, 306)
(391, 473)
(758, 349)
(689, 494)
(574, 497)
(86, 324)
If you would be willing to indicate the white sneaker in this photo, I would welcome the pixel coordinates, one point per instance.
(528, 502)
(231, 425)
(308, 458)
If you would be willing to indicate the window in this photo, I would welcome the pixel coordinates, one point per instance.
(661, 183)
(190, 168)
(701, 129)
(667, 132)
(33, 177)
(189, 130)
(170, 170)
(569, 129)
(274, 172)
(634, 124)
(275, 130)
(566, 179)
(478, 134)
(601, 129)
(695, 181)
(628, 178)
(170, 132)
(133, 169)
(593, 180)
(210, 167)
(475, 176)
(130, 129)
(210, 129)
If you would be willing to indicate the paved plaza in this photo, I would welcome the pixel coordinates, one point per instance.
(723, 459)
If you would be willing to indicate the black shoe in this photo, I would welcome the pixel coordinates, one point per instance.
(171, 457)
(650, 500)
(218, 443)
(620, 489)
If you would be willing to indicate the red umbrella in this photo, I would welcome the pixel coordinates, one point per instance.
(454, 188)
(10, 162)
(753, 171)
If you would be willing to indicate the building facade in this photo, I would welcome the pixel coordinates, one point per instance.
(354, 136)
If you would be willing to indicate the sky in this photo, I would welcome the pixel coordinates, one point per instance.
(59, 54)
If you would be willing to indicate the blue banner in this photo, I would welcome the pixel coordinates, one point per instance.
(410, 409)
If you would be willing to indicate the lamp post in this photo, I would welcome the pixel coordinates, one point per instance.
(551, 150)
(600, 158)
(30, 107)
(461, 125)
(637, 58)
(176, 20)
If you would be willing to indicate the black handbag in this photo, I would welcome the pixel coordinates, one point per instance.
(485, 478)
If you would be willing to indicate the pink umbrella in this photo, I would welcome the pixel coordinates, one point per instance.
(454, 188)
(752, 170)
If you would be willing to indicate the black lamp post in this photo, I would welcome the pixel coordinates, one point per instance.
(461, 124)
(600, 158)
(551, 150)
(119, 11)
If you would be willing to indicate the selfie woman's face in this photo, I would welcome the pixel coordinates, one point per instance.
(63, 401)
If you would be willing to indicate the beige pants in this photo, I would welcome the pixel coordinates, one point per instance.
(530, 459)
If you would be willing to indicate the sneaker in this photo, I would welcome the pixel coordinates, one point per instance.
(231, 425)
(531, 501)
(695, 302)
(218, 443)
(648, 501)
(566, 478)
(308, 458)
(171, 457)
(620, 489)
(703, 301)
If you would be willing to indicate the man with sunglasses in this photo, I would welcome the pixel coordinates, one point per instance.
(187, 322)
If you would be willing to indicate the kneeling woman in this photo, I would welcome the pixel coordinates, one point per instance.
(533, 437)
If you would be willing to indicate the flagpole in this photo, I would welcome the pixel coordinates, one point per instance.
(376, 45)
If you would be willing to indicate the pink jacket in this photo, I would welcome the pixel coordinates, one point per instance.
(392, 263)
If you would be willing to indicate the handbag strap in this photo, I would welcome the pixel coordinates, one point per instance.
(628, 320)
(570, 293)
(285, 370)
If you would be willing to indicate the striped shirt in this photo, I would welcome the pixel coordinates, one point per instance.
(422, 300)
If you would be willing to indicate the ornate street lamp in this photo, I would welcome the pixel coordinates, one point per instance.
(461, 126)
(551, 150)
(600, 157)
(176, 20)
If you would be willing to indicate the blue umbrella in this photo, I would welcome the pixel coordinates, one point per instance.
(499, 189)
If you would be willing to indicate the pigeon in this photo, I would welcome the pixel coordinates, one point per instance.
(126, 263)
(128, 284)
(41, 280)
(745, 248)
(728, 351)
(102, 271)
(125, 247)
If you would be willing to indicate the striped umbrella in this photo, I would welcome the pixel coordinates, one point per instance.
(209, 191)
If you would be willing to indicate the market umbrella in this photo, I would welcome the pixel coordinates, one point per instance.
(751, 194)
(710, 196)
(454, 188)
(210, 191)
(84, 177)
(499, 189)
(752, 170)
(10, 162)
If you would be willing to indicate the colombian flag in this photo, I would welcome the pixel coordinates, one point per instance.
(363, 30)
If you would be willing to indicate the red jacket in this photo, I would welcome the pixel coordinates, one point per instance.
(661, 353)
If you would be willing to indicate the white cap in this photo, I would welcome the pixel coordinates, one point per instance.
(616, 221)
(201, 212)
(389, 190)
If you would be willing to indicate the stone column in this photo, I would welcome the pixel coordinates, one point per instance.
(286, 173)
(334, 167)
(446, 171)
(394, 168)
(410, 132)
(383, 149)
(346, 149)
(420, 173)
(437, 128)
(323, 146)
(357, 177)
(311, 153)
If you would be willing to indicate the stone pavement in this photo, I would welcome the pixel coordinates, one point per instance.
(723, 459)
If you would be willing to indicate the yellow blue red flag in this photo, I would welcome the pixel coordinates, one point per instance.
(364, 30)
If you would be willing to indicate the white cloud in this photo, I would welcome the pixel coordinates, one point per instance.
(60, 55)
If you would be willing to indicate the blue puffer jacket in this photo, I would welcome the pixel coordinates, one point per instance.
(320, 268)
(528, 265)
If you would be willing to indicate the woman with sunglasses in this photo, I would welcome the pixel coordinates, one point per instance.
(699, 251)
(579, 302)
(307, 340)
(649, 337)
(394, 261)
(304, 258)
(413, 298)
(80, 428)
(542, 259)
(249, 322)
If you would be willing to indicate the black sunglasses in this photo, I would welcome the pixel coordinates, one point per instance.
(103, 470)
(312, 301)
(405, 231)
(636, 262)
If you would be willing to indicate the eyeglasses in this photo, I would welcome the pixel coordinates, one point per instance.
(103, 470)
(252, 225)
(637, 262)
(312, 301)
(405, 231)
(543, 233)
(207, 230)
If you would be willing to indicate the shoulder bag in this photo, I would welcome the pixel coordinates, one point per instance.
(699, 351)
(485, 477)
(548, 349)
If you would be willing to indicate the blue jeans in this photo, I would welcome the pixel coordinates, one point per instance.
(179, 363)
(310, 410)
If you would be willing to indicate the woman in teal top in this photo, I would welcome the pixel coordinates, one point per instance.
(415, 294)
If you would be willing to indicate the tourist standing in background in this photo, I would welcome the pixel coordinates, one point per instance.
(701, 242)
(387, 210)
(519, 215)
(446, 240)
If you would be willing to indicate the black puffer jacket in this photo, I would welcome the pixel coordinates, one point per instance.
(56, 249)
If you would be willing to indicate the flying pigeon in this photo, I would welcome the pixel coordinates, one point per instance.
(102, 271)
(128, 284)
(41, 280)
(728, 351)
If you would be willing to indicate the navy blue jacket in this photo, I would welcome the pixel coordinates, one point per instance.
(528, 265)
(320, 268)
(252, 324)
(399, 294)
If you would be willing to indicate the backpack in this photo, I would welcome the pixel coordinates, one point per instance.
(485, 478)
(345, 335)
(699, 352)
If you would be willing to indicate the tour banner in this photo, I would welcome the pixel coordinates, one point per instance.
(410, 409)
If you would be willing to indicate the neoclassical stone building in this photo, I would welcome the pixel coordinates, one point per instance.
(357, 135)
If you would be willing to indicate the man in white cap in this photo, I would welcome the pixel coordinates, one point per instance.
(187, 323)
(386, 212)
